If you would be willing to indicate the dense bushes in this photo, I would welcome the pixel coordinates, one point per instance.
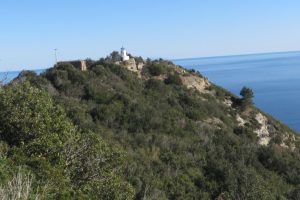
(65, 162)
(156, 69)
(173, 79)
(179, 144)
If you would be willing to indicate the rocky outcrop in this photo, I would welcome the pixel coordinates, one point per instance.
(263, 132)
(240, 120)
(288, 141)
(191, 80)
(228, 102)
(133, 66)
(140, 66)
(196, 82)
(130, 64)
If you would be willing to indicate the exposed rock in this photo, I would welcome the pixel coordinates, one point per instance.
(140, 66)
(214, 121)
(160, 77)
(196, 82)
(180, 70)
(131, 65)
(288, 141)
(78, 64)
(192, 80)
(241, 121)
(188, 79)
(227, 102)
(262, 132)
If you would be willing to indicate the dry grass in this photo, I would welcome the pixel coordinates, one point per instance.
(20, 187)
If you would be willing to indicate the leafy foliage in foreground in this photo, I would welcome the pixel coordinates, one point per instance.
(179, 143)
(65, 162)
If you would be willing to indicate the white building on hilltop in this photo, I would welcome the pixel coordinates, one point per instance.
(124, 54)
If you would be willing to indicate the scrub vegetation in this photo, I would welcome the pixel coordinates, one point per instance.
(106, 133)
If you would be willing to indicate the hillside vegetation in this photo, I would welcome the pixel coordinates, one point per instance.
(162, 132)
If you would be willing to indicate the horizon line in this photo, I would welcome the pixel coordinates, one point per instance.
(179, 59)
(234, 55)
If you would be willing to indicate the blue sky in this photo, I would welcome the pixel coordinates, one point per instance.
(32, 29)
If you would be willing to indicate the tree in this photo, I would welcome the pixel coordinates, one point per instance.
(139, 59)
(247, 95)
(28, 114)
(115, 56)
(57, 152)
(173, 79)
(93, 167)
(156, 69)
(36, 130)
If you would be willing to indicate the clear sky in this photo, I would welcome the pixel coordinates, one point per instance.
(32, 29)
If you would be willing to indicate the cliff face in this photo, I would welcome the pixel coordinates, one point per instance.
(184, 137)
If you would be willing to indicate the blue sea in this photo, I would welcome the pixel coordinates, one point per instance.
(274, 78)
(8, 76)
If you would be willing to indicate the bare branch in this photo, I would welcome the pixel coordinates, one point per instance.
(20, 187)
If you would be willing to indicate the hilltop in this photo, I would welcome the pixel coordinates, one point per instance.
(144, 129)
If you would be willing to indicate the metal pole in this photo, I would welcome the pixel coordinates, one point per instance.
(55, 54)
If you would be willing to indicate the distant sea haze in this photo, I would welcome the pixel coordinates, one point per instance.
(8, 76)
(274, 78)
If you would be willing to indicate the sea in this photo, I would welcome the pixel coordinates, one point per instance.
(273, 77)
(6, 77)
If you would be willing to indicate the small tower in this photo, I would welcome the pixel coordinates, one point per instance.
(124, 54)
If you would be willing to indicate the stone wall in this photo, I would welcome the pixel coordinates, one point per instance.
(78, 64)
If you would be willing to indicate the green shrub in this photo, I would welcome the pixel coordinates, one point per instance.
(42, 138)
(176, 147)
(247, 99)
(173, 79)
(156, 69)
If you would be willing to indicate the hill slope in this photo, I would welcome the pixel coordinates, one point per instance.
(183, 137)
